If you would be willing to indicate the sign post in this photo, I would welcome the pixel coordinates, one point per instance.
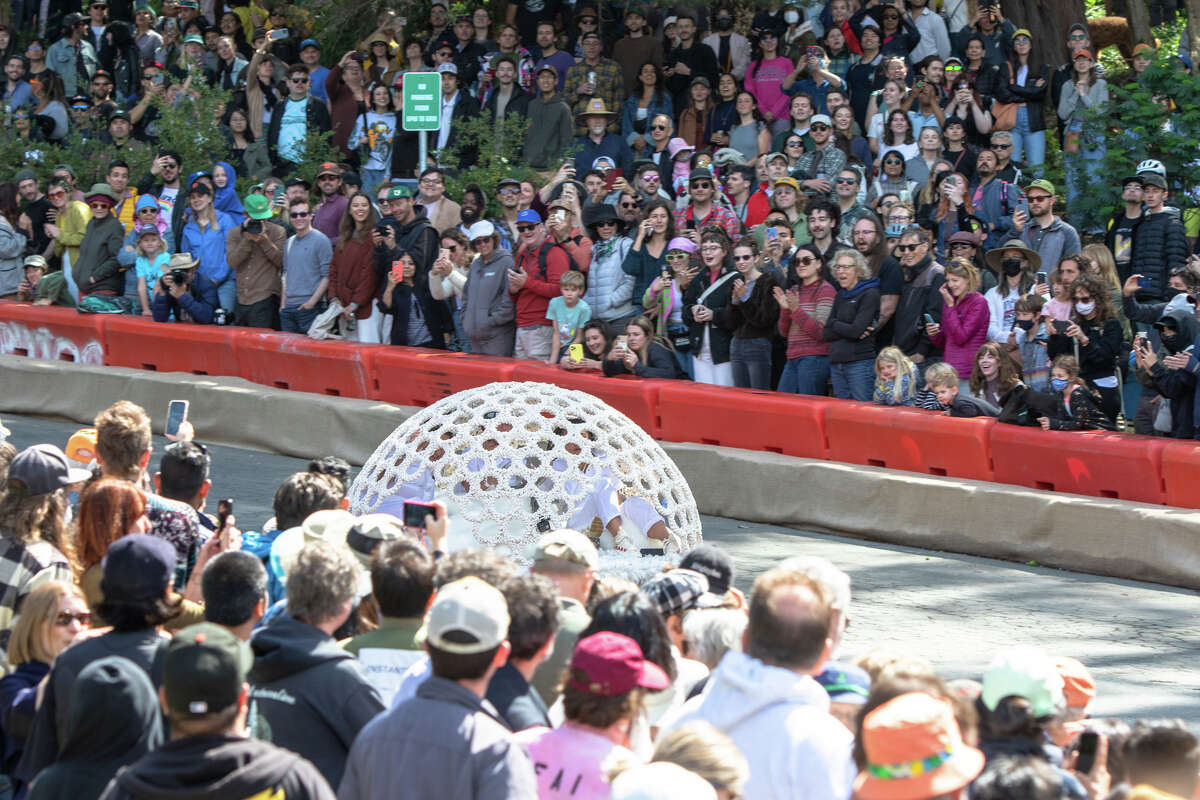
(422, 100)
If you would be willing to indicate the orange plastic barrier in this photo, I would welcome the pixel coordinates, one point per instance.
(793, 425)
(909, 439)
(636, 398)
(418, 376)
(1181, 474)
(1095, 463)
(50, 332)
(293, 361)
(198, 349)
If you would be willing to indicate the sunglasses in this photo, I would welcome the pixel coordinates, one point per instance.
(767, 37)
(677, 256)
(702, 184)
(98, 205)
(844, 181)
(1077, 37)
(795, 144)
(57, 194)
(651, 177)
(658, 127)
(1002, 147)
(806, 260)
(819, 127)
(606, 223)
(892, 161)
(960, 246)
(743, 258)
(298, 214)
(1037, 198)
(65, 618)
(906, 248)
(953, 68)
(145, 210)
(629, 205)
(298, 80)
(525, 228)
(510, 190)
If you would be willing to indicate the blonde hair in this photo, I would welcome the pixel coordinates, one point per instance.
(941, 374)
(30, 638)
(1102, 260)
(572, 279)
(700, 748)
(122, 437)
(903, 364)
(962, 268)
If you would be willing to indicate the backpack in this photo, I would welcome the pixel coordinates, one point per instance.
(544, 252)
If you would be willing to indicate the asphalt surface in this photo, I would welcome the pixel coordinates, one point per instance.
(1141, 641)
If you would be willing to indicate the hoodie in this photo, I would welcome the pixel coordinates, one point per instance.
(219, 765)
(226, 199)
(114, 720)
(780, 721)
(313, 694)
(1176, 385)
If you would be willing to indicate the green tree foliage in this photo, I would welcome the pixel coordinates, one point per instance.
(1157, 116)
(495, 153)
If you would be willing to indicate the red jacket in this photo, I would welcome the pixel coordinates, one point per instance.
(533, 298)
(352, 276)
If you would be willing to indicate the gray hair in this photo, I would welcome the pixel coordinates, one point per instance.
(837, 583)
(324, 578)
(860, 262)
(1002, 136)
(712, 632)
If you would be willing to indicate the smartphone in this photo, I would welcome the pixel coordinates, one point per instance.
(1041, 278)
(1086, 757)
(278, 33)
(621, 344)
(224, 509)
(611, 178)
(277, 197)
(358, 56)
(177, 413)
(772, 233)
(398, 271)
(415, 512)
(560, 216)
(575, 352)
(690, 224)
(929, 320)
(444, 253)
(569, 163)
(1143, 282)
(1060, 325)
(814, 51)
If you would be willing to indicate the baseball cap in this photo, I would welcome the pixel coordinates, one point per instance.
(895, 231)
(914, 750)
(787, 181)
(1023, 672)
(821, 119)
(328, 525)
(398, 192)
(1079, 688)
(1021, 32)
(661, 780)
(329, 168)
(609, 664)
(1144, 48)
(310, 43)
(481, 230)
(1043, 184)
(530, 216)
(34, 260)
(42, 469)
(204, 669)
(257, 206)
(548, 68)
(297, 181)
(119, 113)
(81, 447)
(714, 564)
(1082, 53)
(700, 174)
(197, 39)
(199, 188)
(508, 182)
(137, 567)
(146, 230)
(675, 591)
(371, 530)
(1153, 179)
(449, 66)
(467, 608)
(845, 683)
(565, 544)
(772, 156)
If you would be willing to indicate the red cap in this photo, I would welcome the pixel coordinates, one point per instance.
(613, 664)
(329, 168)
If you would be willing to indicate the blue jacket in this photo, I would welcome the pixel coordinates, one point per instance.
(200, 301)
(660, 103)
(996, 206)
(208, 246)
(612, 145)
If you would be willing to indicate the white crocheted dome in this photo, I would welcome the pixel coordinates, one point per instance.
(513, 460)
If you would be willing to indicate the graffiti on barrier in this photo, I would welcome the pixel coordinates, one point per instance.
(16, 338)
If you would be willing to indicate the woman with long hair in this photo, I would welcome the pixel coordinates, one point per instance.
(724, 115)
(954, 210)
(598, 339)
(898, 135)
(381, 65)
(1076, 405)
(373, 133)
(264, 90)
(855, 309)
(642, 353)
(1085, 90)
(247, 153)
(845, 137)
(704, 305)
(646, 258)
(1024, 81)
(353, 279)
(49, 101)
(108, 510)
(919, 168)
(926, 200)
(693, 125)
(648, 99)
(994, 374)
(803, 310)
(891, 180)
(964, 324)
(750, 134)
(752, 315)
(12, 240)
(1104, 266)
(204, 236)
(1093, 336)
(764, 78)
(888, 99)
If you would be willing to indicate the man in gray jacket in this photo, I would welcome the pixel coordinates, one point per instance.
(485, 307)
(447, 742)
(1041, 231)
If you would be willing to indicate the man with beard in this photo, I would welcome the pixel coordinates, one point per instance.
(866, 235)
(816, 169)
(824, 219)
(636, 47)
(472, 207)
(704, 211)
(1043, 232)
(331, 203)
(598, 142)
(920, 295)
(508, 192)
(687, 60)
(995, 200)
(742, 194)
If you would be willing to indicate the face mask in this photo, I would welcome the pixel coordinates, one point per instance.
(1011, 267)
(724, 23)
(1058, 384)
(791, 17)
(1025, 324)
(1086, 308)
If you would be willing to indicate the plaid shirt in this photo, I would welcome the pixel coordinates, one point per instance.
(24, 566)
(610, 87)
(718, 216)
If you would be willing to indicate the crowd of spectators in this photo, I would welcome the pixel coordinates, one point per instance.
(156, 651)
(822, 199)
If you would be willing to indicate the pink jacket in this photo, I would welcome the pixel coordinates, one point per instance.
(964, 330)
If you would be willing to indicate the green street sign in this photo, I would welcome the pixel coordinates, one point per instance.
(422, 101)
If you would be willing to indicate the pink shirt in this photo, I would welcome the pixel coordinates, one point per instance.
(571, 762)
(763, 80)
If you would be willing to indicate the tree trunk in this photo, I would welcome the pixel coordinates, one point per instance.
(1193, 29)
(1139, 22)
(1048, 20)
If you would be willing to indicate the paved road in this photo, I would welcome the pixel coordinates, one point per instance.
(1140, 640)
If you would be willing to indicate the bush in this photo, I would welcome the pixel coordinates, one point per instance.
(497, 154)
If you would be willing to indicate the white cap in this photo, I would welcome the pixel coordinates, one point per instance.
(481, 230)
(449, 66)
(661, 780)
(470, 606)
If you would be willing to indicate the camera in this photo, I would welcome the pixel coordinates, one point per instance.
(178, 277)
(254, 226)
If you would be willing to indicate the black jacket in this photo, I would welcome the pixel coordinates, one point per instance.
(97, 268)
(1099, 358)
(1159, 246)
(313, 694)
(920, 296)
(219, 765)
(852, 313)
(417, 237)
(466, 108)
(1178, 386)
(517, 104)
(436, 313)
(316, 114)
(702, 61)
(660, 363)
(1033, 96)
(756, 317)
(1084, 415)
(718, 336)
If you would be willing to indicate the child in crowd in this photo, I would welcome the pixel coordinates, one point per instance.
(1078, 409)
(568, 313)
(1060, 307)
(1029, 339)
(942, 380)
(152, 261)
(895, 378)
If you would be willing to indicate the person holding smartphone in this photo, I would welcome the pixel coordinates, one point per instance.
(704, 304)
(1094, 333)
